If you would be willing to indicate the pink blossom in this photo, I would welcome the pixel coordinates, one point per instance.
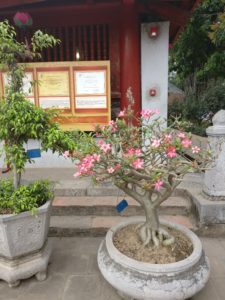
(77, 174)
(100, 142)
(133, 151)
(112, 123)
(66, 154)
(171, 152)
(181, 135)
(105, 147)
(138, 163)
(121, 113)
(167, 138)
(147, 113)
(138, 152)
(117, 167)
(195, 149)
(158, 184)
(156, 143)
(96, 157)
(186, 143)
(111, 170)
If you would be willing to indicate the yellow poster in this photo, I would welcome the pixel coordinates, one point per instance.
(53, 83)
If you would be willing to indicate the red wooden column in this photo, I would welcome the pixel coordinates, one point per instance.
(130, 75)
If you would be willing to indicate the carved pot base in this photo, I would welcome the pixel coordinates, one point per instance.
(14, 270)
(135, 280)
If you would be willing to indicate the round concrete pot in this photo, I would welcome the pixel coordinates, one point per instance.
(24, 233)
(139, 280)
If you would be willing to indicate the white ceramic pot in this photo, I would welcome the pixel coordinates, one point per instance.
(24, 233)
(139, 280)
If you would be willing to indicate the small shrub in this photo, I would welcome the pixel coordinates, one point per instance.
(26, 198)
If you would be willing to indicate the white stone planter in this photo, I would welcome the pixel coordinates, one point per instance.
(24, 249)
(24, 233)
(138, 280)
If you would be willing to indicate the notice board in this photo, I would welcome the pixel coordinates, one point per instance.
(79, 90)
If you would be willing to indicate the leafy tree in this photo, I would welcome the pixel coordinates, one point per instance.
(20, 120)
(198, 55)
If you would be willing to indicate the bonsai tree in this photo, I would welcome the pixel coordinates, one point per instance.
(20, 120)
(146, 161)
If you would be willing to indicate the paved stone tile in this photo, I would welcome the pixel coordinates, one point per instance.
(213, 247)
(50, 289)
(219, 285)
(92, 267)
(208, 293)
(217, 265)
(7, 293)
(69, 263)
(71, 221)
(106, 222)
(65, 244)
(88, 245)
(87, 287)
(179, 219)
(109, 293)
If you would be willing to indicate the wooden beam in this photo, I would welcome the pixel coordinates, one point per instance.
(174, 14)
(11, 3)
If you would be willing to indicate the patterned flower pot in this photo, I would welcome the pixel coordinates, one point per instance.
(139, 280)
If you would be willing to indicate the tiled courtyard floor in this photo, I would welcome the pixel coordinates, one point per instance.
(73, 274)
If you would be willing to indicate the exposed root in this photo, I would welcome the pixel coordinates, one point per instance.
(158, 236)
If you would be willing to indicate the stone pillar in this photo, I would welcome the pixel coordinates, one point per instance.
(214, 181)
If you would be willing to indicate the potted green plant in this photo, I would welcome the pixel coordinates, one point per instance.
(24, 209)
(147, 162)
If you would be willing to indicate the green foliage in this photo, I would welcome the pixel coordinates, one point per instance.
(195, 109)
(25, 198)
(197, 55)
(19, 119)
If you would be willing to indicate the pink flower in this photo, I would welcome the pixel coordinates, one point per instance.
(112, 123)
(77, 174)
(156, 143)
(138, 163)
(195, 149)
(110, 170)
(171, 152)
(158, 184)
(138, 152)
(66, 154)
(133, 151)
(117, 167)
(96, 157)
(186, 143)
(105, 147)
(121, 113)
(147, 113)
(167, 138)
(181, 135)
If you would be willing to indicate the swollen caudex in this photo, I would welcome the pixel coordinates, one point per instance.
(158, 236)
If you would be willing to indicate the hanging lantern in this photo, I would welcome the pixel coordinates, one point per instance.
(153, 31)
(22, 20)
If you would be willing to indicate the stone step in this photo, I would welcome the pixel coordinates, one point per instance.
(62, 226)
(106, 206)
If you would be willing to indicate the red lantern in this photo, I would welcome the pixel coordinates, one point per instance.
(153, 31)
(152, 92)
(22, 20)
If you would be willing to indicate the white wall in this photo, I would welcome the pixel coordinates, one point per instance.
(154, 67)
(47, 159)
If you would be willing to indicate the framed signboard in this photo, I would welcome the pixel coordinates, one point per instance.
(90, 89)
(54, 88)
(79, 90)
